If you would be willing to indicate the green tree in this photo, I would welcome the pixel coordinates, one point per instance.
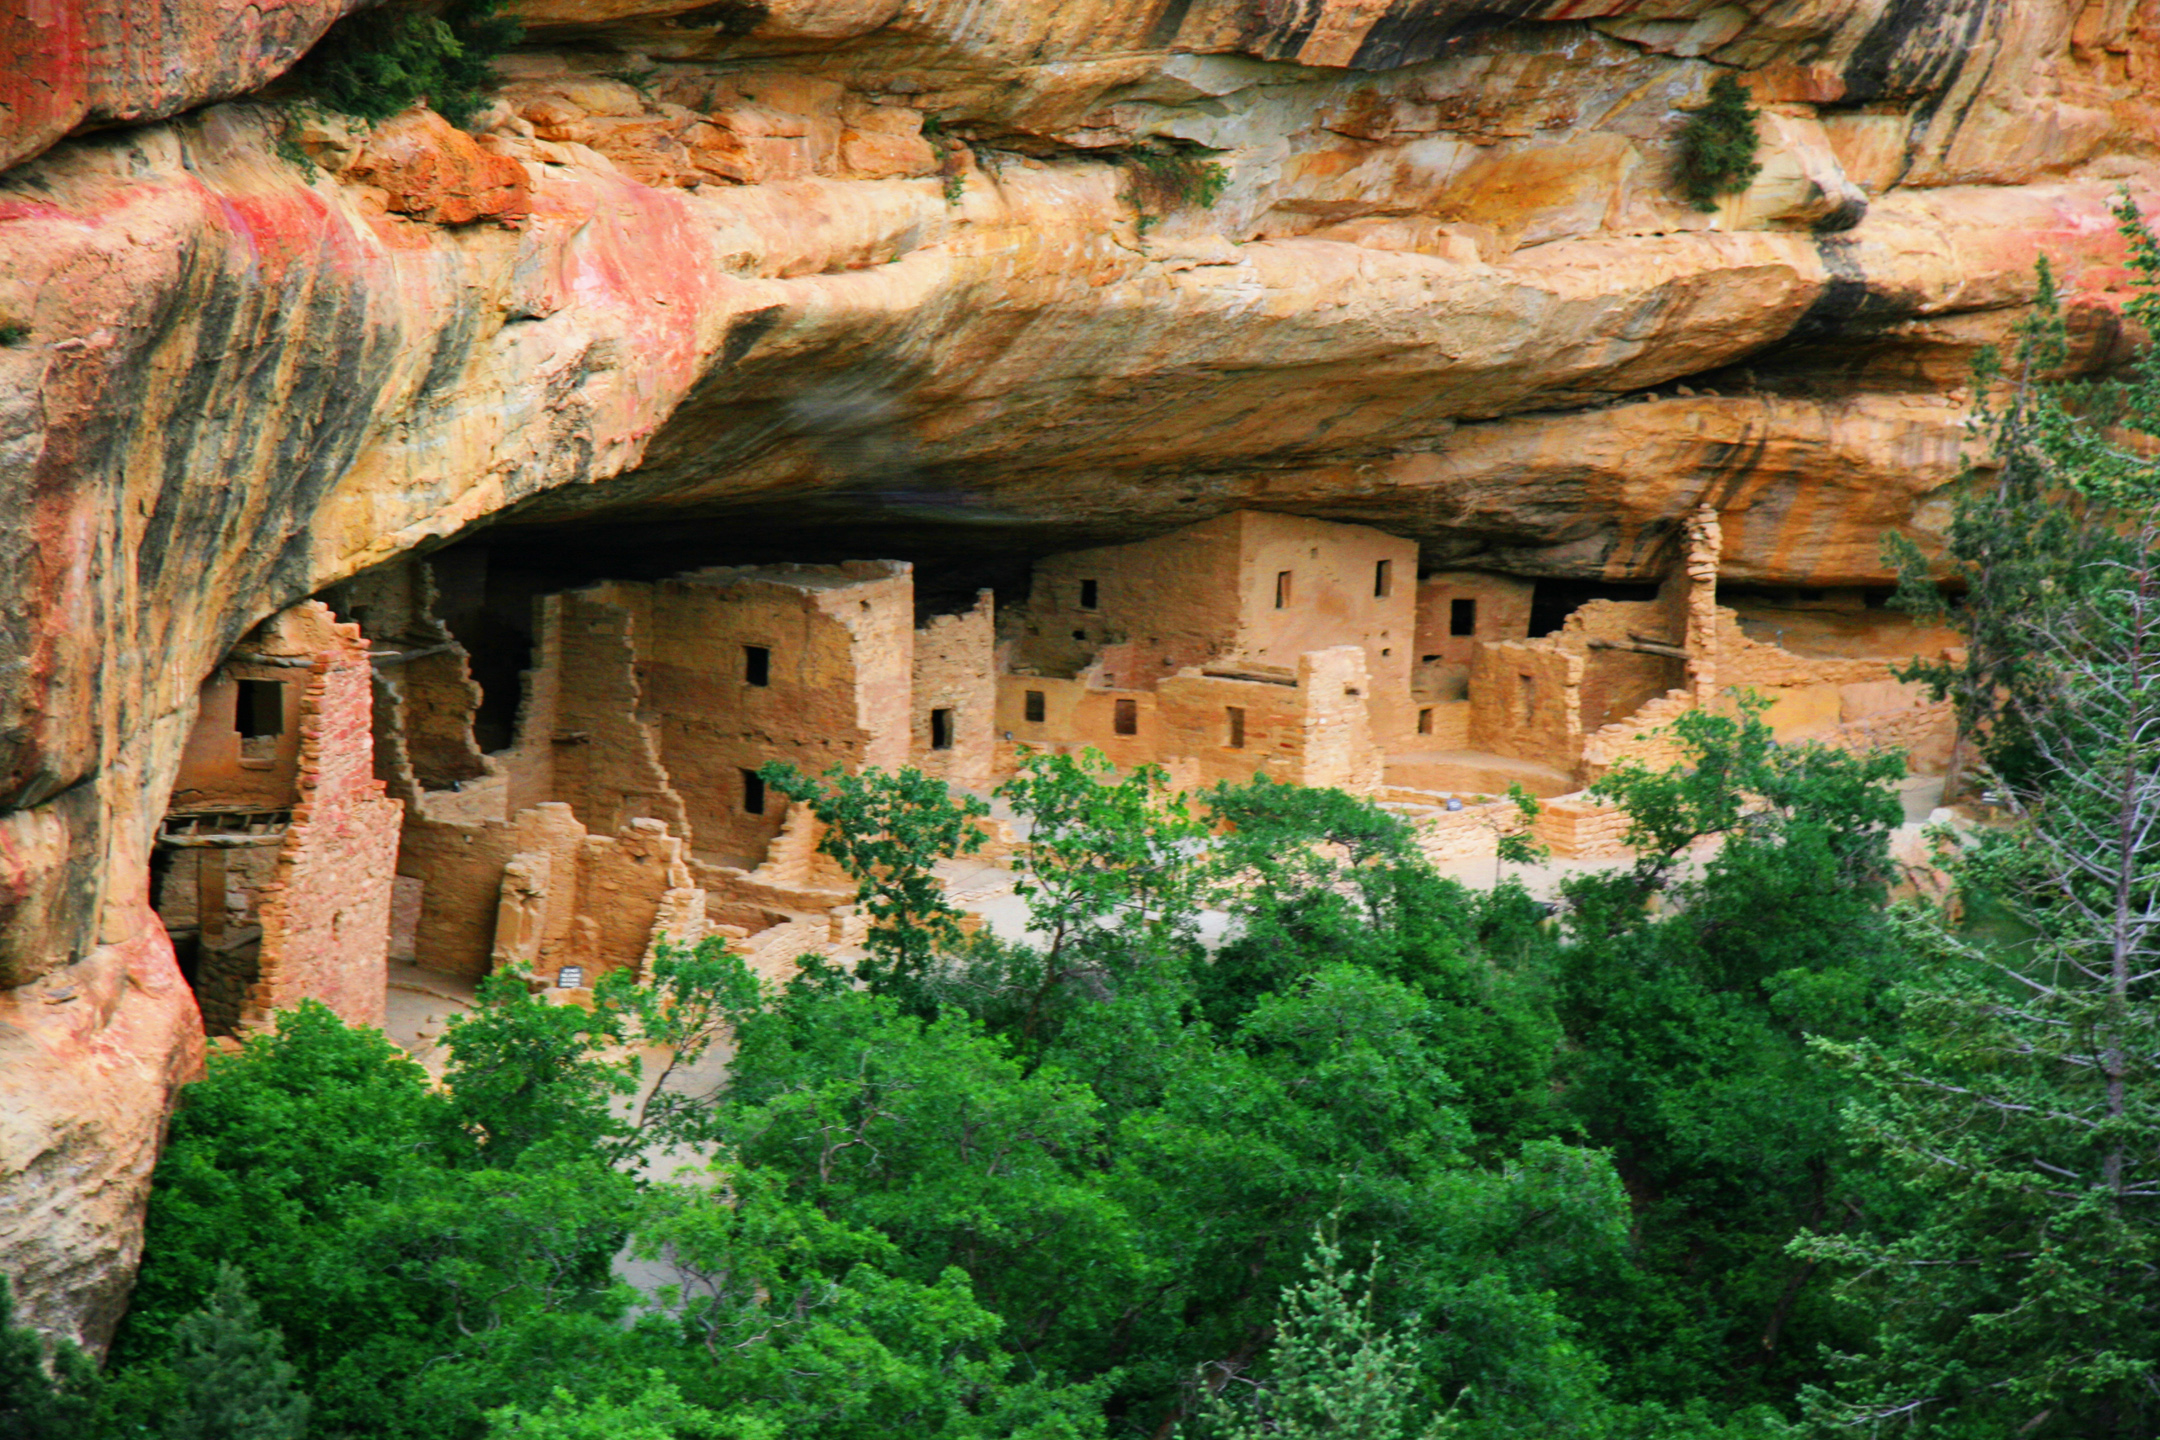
(889, 830)
(380, 62)
(41, 1400)
(1331, 1373)
(2023, 1098)
(237, 1385)
(1689, 1027)
(1718, 143)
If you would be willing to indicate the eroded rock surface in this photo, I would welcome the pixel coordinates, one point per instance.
(900, 267)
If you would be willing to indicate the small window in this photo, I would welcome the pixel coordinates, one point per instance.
(1383, 582)
(1088, 593)
(1125, 719)
(1282, 589)
(941, 729)
(753, 793)
(1234, 722)
(1529, 694)
(1462, 617)
(757, 665)
(259, 709)
(1424, 720)
(1035, 707)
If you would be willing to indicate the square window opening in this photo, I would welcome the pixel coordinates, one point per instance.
(259, 709)
(1462, 617)
(1035, 708)
(941, 729)
(1424, 720)
(753, 793)
(757, 665)
(1125, 718)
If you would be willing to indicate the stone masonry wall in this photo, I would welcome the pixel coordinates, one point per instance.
(1172, 598)
(1193, 710)
(326, 914)
(1333, 600)
(955, 670)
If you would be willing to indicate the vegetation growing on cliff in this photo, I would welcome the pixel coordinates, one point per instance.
(1718, 143)
(379, 62)
(1165, 177)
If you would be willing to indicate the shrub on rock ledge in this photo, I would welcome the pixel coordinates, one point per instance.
(1718, 145)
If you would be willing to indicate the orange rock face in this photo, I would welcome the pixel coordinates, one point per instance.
(955, 276)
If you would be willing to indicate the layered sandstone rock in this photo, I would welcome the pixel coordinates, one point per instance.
(717, 264)
(67, 65)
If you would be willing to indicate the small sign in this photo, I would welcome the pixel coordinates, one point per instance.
(570, 977)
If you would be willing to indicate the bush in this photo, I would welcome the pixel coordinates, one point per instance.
(380, 62)
(1165, 179)
(1718, 145)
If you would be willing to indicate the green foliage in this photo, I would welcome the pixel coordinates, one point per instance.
(1166, 177)
(1332, 1372)
(234, 1382)
(889, 831)
(657, 1412)
(1689, 1053)
(1718, 144)
(37, 1403)
(380, 62)
(13, 334)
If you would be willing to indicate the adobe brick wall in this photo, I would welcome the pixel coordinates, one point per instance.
(1078, 715)
(1195, 726)
(592, 901)
(218, 770)
(606, 760)
(326, 913)
(1526, 702)
(1339, 718)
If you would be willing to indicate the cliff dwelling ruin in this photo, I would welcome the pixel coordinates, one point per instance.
(415, 534)
(340, 803)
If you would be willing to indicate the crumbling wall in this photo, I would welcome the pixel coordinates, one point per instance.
(326, 913)
(955, 672)
(461, 867)
(598, 903)
(606, 761)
